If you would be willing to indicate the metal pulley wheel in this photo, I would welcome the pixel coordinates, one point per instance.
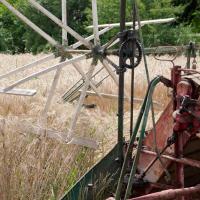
(131, 53)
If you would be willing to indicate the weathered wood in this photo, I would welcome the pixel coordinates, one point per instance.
(77, 51)
(113, 96)
(80, 102)
(21, 92)
(156, 21)
(86, 142)
(77, 44)
(64, 21)
(114, 77)
(84, 76)
(19, 69)
(95, 22)
(59, 23)
(54, 67)
(29, 23)
(51, 93)
(110, 71)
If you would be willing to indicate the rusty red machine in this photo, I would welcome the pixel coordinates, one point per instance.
(172, 170)
(163, 163)
(177, 137)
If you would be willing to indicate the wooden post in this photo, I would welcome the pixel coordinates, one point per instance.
(29, 23)
(64, 21)
(155, 21)
(59, 23)
(52, 68)
(80, 102)
(19, 69)
(77, 44)
(95, 23)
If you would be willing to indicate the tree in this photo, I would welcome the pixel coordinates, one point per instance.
(11, 31)
(16, 37)
(190, 14)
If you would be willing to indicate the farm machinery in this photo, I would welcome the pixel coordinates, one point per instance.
(162, 163)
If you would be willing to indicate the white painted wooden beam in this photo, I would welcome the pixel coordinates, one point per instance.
(64, 21)
(80, 102)
(20, 92)
(84, 76)
(59, 22)
(113, 96)
(19, 69)
(51, 56)
(50, 95)
(101, 32)
(54, 67)
(29, 23)
(86, 142)
(95, 22)
(156, 21)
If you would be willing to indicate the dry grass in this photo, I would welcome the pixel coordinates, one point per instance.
(36, 167)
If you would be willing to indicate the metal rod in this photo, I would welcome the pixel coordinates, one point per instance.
(152, 86)
(29, 23)
(121, 99)
(132, 73)
(59, 22)
(179, 166)
(185, 161)
(153, 161)
(121, 86)
(169, 194)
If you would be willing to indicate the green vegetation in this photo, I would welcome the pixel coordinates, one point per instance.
(15, 37)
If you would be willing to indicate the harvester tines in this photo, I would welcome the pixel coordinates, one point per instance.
(74, 92)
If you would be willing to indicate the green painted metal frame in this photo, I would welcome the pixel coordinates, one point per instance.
(108, 165)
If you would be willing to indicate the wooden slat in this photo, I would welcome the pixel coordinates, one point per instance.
(44, 71)
(21, 92)
(29, 23)
(59, 23)
(155, 21)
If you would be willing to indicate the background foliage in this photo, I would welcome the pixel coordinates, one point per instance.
(16, 37)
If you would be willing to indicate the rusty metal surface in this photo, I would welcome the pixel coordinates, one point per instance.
(170, 194)
(164, 128)
(185, 161)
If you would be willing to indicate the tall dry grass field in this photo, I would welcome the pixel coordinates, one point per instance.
(36, 167)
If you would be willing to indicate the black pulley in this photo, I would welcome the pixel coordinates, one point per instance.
(131, 51)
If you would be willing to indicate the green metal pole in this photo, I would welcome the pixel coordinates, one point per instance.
(145, 118)
(130, 147)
